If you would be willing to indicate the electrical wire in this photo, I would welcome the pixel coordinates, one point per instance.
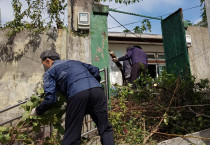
(130, 31)
(157, 16)
(118, 22)
(182, 10)
(125, 24)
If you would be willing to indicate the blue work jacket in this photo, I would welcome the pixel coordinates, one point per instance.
(69, 77)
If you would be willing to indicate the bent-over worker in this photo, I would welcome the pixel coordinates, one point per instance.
(79, 82)
(139, 61)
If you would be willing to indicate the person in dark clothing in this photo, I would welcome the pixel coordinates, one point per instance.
(127, 68)
(127, 65)
(79, 82)
(139, 61)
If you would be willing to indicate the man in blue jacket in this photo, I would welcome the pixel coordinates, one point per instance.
(139, 61)
(79, 82)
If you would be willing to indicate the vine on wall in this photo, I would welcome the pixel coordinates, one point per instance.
(34, 13)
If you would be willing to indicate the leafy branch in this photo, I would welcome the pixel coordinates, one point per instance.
(121, 1)
(161, 104)
(203, 22)
(145, 26)
(34, 15)
(28, 126)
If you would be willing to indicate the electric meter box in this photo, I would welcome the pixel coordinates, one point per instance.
(188, 40)
(83, 21)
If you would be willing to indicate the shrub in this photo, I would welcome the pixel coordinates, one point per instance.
(168, 104)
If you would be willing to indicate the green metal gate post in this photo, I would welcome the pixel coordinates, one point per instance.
(99, 39)
(175, 47)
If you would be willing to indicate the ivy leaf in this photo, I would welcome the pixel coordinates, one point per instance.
(200, 118)
(40, 91)
(7, 137)
(23, 106)
(34, 98)
(35, 124)
(29, 103)
(25, 115)
(2, 129)
(131, 92)
(166, 119)
(55, 120)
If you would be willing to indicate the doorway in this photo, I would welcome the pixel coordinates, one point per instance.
(152, 70)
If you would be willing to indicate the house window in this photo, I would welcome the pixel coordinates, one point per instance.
(152, 70)
(161, 56)
(151, 56)
(156, 64)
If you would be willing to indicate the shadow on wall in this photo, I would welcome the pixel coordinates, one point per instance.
(52, 34)
(7, 53)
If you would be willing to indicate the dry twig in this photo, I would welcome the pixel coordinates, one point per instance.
(157, 127)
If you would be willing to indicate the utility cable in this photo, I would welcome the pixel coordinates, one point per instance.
(157, 16)
(130, 30)
(120, 23)
(125, 24)
(182, 10)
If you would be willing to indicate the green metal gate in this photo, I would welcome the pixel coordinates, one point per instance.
(175, 47)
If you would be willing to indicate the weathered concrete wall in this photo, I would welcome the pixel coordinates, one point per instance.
(78, 46)
(207, 4)
(120, 50)
(199, 52)
(20, 65)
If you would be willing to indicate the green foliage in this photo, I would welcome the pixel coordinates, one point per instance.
(189, 23)
(27, 128)
(121, 1)
(34, 14)
(126, 31)
(178, 105)
(145, 26)
(56, 8)
(203, 22)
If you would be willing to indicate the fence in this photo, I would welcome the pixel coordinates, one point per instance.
(88, 126)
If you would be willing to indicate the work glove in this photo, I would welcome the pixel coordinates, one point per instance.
(33, 112)
(115, 59)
